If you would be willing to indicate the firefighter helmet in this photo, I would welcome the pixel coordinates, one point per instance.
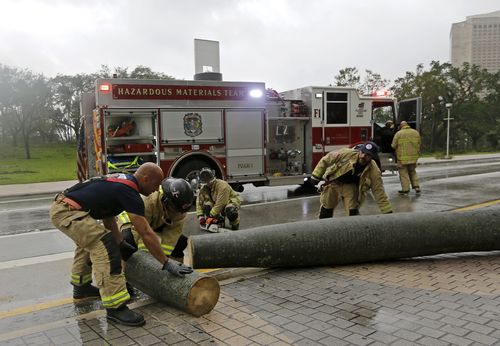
(369, 148)
(206, 175)
(177, 193)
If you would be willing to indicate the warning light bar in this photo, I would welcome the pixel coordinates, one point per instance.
(381, 93)
(105, 87)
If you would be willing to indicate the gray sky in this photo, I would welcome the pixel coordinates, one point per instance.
(285, 43)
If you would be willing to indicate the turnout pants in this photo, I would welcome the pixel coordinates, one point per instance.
(231, 210)
(96, 252)
(407, 176)
(335, 192)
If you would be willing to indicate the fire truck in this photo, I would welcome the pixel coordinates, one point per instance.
(241, 130)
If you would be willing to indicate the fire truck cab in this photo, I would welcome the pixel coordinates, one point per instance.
(243, 131)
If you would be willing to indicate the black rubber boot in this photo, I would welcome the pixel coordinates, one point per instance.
(353, 212)
(235, 226)
(85, 291)
(123, 315)
(131, 290)
(325, 213)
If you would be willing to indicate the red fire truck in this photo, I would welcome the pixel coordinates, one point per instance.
(243, 131)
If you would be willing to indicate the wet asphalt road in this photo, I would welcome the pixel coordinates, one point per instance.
(268, 205)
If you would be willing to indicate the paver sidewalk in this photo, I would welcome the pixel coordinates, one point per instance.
(439, 300)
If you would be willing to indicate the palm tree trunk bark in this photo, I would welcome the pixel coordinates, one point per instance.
(195, 293)
(348, 240)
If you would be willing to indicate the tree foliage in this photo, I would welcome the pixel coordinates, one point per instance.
(33, 107)
(36, 108)
(350, 77)
(473, 93)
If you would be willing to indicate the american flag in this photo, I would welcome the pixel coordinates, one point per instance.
(81, 155)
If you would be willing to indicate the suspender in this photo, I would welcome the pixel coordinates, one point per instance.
(114, 178)
(127, 182)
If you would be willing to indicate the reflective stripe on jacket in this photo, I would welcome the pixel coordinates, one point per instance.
(337, 163)
(170, 222)
(406, 143)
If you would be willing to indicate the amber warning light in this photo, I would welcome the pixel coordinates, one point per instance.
(104, 87)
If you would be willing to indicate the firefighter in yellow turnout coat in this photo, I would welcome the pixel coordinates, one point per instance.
(346, 175)
(406, 143)
(216, 201)
(166, 211)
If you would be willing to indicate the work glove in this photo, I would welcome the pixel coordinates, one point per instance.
(202, 220)
(126, 250)
(319, 185)
(176, 268)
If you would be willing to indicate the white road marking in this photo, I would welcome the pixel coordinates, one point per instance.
(35, 260)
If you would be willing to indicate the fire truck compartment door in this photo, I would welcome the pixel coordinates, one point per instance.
(191, 126)
(245, 142)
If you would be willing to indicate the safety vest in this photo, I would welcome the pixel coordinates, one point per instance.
(123, 163)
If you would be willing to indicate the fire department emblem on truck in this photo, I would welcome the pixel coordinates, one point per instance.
(192, 124)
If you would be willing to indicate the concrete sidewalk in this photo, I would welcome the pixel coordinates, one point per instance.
(58, 186)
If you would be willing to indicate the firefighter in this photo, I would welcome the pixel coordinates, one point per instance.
(386, 136)
(166, 211)
(346, 175)
(101, 247)
(216, 201)
(406, 143)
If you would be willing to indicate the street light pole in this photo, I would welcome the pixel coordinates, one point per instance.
(448, 107)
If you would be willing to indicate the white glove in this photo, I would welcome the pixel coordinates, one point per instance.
(319, 186)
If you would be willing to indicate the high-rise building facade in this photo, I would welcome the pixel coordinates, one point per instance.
(477, 41)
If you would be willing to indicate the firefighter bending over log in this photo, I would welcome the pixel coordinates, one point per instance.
(346, 175)
(216, 201)
(166, 211)
(101, 247)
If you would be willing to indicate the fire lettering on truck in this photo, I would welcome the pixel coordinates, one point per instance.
(180, 92)
(245, 165)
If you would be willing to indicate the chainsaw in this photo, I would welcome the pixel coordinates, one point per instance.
(214, 228)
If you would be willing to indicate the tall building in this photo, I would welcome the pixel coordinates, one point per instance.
(477, 41)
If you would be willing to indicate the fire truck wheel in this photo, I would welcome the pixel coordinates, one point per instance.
(190, 171)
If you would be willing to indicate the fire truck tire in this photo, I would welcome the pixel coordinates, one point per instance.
(190, 170)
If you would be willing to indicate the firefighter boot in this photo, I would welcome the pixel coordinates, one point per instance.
(235, 226)
(353, 212)
(85, 291)
(131, 290)
(325, 213)
(123, 315)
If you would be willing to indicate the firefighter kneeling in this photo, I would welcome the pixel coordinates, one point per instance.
(216, 201)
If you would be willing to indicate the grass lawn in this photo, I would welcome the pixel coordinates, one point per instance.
(49, 162)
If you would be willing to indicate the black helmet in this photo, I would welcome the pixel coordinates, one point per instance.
(177, 193)
(369, 148)
(206, 175)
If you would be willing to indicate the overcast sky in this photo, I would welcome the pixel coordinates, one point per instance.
(285, 43)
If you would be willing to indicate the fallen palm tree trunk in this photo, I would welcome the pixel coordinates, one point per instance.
(196, 294)
(348, 240)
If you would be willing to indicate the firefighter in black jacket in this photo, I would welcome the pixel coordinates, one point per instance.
(75, 212)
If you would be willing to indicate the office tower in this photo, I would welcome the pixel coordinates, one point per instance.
(477, 41)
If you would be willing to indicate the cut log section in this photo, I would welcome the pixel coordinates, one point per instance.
(348, 240)
(195, 293)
